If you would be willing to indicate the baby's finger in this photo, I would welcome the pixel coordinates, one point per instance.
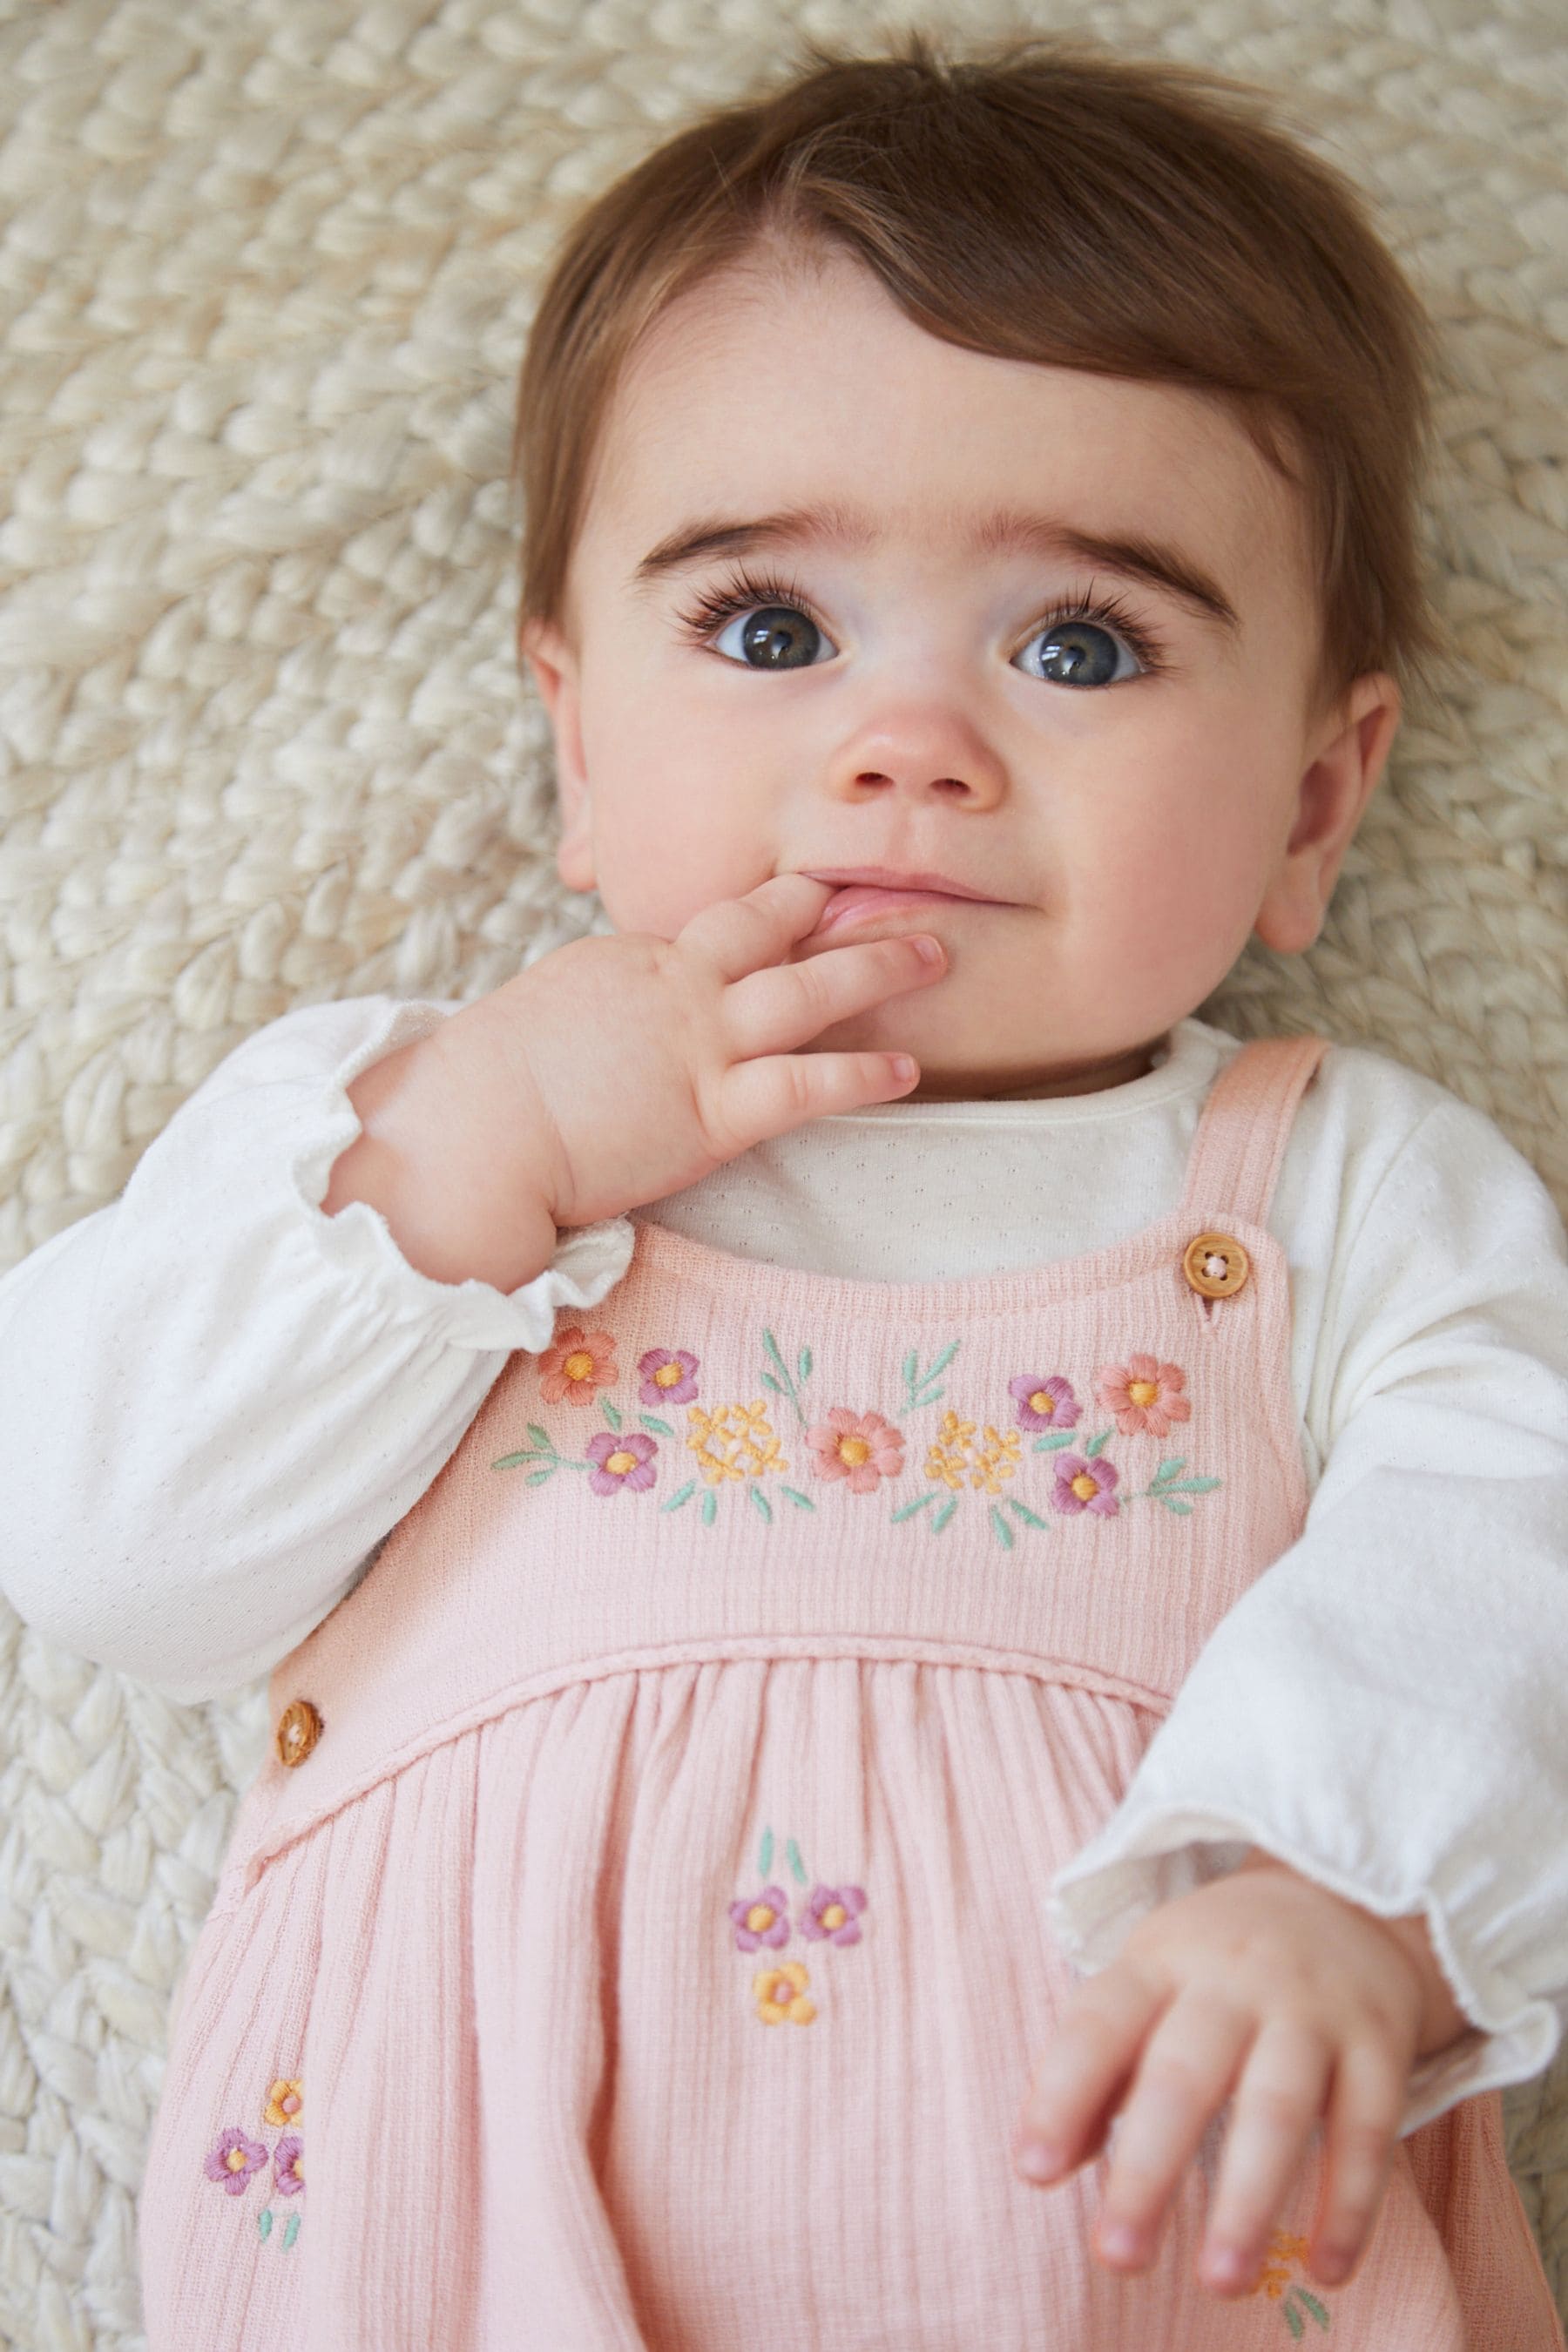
(768, 1012)
(1185, 2076)
(1099, 2035)
(1365, 2104)
(741, 935)
(1277, 2105)
(757, 1100)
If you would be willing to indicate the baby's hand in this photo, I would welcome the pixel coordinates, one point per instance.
(1263, 1988)
(638, 1063)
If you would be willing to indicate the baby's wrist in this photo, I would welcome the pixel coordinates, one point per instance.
(1442, 2020)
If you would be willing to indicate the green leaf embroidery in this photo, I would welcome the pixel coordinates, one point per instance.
(767, 1860)
(1000, 1529)
(760, 1500)
(1052, 1440)
(1185, 1509)
(905, 1509)
(611, 1415)
(710, 1505)
(788, 1388)
(1294, 2320)
(1023, 1512)
(540, 1436)
(685, 1496)
(795, 1862)
(804, 1501)
(943, 1515)
(1188, 1486)
(1317, 2309)
(912, 1381)
(537, 1478)
(1095, 1444)
(802, 1366)
(652, 1421)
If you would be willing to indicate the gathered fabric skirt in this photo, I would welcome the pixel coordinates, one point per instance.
(691, 2009)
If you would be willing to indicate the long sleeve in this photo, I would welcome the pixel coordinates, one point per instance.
(215, 1400)
(1382, 1710)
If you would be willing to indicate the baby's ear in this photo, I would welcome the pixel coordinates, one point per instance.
(545, 649)
(1347, 757)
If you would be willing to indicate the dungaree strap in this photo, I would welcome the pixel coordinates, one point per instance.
(1244, 1127)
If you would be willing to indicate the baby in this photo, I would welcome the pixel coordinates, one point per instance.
(835, 1460)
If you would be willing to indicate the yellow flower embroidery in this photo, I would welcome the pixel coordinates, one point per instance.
(954, 1452)
(285, 2103)
(735, 1441)
(781, 1993)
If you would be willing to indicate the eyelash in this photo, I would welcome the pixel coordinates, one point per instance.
(745, 591)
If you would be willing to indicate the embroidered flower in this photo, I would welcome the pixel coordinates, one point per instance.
(579, 1364)
(834, 1912)
(1045, 1404)
(1084, 1485)
(234, 2160)
(781, 1993)
(760, 1919)
(288, 2159)
(734, 1441)
(284, 2102)
(669, 1376)
(1285, 2254)
(1143, 1394)
(619, 1460)
(860, 1447)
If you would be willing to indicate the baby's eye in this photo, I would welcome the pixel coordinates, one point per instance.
(774, 636)
(1078, 653)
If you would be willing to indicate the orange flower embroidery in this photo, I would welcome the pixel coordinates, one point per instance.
(1143, 1394)
(1297, 2303)
(860, 1447)
(285, 2103)
(781, 1994)
(579, 1364)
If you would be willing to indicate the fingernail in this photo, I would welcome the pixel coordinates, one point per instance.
(1120, 2240)
(929, 950)
(1040, 2162)
(1224, 2267)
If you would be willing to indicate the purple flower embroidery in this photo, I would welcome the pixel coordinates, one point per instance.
(667, 1376)
(760, 1919)
(290, 2177)
(1045, 1404)
(834, 1912)
(234, 2159)
(621, 1459)
(1085, 1485)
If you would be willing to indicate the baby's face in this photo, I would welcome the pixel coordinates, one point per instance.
(1045, 633)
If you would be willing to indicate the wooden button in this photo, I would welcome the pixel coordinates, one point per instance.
(298, 1728)
(1215, 1264)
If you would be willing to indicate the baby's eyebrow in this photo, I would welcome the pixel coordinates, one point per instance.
(1134, 557)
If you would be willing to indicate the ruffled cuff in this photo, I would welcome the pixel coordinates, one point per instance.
(1147, 1855)
(588, 1261)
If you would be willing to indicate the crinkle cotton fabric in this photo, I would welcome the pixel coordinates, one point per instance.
(638, 1935)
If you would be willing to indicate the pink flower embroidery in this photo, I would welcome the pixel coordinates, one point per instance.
(760, 1919)
(860, 1447)
(1144, 1394)
(834, 1912)
(1045, 1404)
(667, 1376)
(234, 2159)
(620, 1459)
(580, 1363)
(1084, 1485)
(288, 2178)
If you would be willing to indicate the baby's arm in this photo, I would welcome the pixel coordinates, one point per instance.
(220, 1393)
(1381, 1711)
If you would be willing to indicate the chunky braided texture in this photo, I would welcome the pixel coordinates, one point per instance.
(266, 274)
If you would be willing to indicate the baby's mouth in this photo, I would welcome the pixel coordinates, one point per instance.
(855, 900)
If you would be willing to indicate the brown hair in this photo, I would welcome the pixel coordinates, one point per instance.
(1042, 201)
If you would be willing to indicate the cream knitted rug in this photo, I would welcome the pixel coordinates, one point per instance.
(265, 270)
